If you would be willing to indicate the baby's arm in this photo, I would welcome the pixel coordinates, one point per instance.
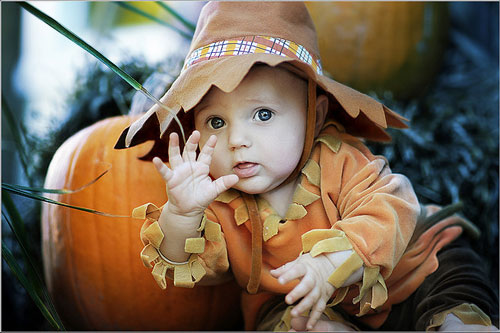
(314, 286)
(190, 190)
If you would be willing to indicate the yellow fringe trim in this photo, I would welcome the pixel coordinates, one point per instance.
(203, 223)
(295, 212)
(333, 244)
(194, 245)
(373, 291)
(310, 238)
(227, 196)
(469, 314)
(331, 142)
(213, 231)
(303, 196)
(312, 171)
(148, 210)
(271, 225)
(348, 267)
(185, 274)
(284, 324)
(241, 214)
(341, 294)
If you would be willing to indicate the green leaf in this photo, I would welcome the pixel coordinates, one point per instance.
(153, 18)
(13, 189)
(28, 286)
(169, 9)
(80, 42)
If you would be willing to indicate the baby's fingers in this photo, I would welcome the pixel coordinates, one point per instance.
(291, 273)
(189, 153)
(223, 183)
(164, 170)
(305, 304)
(174, 152)
(277, 272)
(303, 288)
(316, 313)
(207, 150)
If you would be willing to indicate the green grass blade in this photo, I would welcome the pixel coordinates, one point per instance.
(153, 18)
(34, 270)
(18, 137)
(14, 190)
(17, 271)
(80, 42)
(169, 9)
(57, 191)
(11, 209)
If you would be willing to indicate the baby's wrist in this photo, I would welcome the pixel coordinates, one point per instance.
(182, 213)
(338, 258)
(186, 222)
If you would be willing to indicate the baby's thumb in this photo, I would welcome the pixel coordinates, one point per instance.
(164, 171)
(224, 183)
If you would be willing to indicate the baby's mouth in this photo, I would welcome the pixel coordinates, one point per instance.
(246, 169)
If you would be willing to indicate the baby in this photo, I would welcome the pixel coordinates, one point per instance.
(282, 194)
(260, 127)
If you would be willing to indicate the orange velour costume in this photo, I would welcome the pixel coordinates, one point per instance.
(347, 198)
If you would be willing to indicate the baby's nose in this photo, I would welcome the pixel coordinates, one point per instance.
(239, 138)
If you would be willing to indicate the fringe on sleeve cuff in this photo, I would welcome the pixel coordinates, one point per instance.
(469, 314)
(186, 274)
(372, 291)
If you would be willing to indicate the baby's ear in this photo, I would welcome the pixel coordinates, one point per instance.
(321, 111)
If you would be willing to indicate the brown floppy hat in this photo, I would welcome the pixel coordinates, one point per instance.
(230, 38)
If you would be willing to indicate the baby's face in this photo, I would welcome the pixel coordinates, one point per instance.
(260, 128)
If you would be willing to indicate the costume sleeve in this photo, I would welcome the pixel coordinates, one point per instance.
(377, 209)
(208, 258)
(373, 212)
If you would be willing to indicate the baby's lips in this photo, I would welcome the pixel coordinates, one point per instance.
(246, 169)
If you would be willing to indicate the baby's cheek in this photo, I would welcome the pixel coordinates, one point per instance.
(220, 165)
(288, 159)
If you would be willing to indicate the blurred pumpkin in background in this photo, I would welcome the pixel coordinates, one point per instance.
(92, 262)
(378, 46)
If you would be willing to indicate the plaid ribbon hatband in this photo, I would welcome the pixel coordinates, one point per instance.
(253, 45)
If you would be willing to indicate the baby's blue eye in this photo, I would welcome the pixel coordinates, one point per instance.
(216, 123)
(263, 115)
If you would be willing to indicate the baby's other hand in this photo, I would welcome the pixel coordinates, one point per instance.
(313, 288)
(453, 324)
(189, 187)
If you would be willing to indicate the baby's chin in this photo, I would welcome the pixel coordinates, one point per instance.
(255, 185)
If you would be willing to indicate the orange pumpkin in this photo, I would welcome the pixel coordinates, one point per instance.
(92, 263)
(380, 46)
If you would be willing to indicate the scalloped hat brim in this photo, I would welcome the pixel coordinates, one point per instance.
(360, 114)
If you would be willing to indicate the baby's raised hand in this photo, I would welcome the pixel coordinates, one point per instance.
(189, 187)
(313, 273)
